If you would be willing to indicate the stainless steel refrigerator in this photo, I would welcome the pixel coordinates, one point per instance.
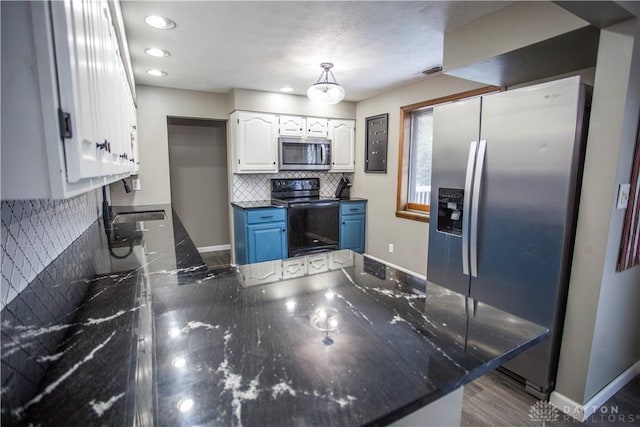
(504, 189)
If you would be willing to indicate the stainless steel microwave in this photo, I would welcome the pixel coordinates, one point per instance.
(304, 154)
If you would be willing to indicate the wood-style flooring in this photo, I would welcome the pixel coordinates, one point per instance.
(496, 400)
(217, 260)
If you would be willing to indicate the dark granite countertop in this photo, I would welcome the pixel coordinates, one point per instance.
(159, 338)
(257, 204)
(352, 199)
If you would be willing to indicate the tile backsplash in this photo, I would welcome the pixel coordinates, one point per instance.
(247, 188)
(35, 232)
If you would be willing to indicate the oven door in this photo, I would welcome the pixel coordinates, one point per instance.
(296, 154)
(313, 227)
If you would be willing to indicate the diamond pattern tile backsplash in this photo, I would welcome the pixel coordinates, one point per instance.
(248, 188)
(35, 232)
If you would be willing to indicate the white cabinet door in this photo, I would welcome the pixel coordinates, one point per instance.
(294, 267)
(133, 128)
(291, 126)
(340, 259)
(73, 26)
(343, 144)
(317, 263)
(255, 140)
(316, 127)
(71, 99)
(260, 273)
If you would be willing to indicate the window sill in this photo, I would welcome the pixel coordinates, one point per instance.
(415, 216)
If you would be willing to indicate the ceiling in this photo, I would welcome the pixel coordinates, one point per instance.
(220, 45)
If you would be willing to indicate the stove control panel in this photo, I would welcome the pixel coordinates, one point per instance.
(285, 188)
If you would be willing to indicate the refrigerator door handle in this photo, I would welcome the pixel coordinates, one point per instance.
(475, 202)
(473, 147)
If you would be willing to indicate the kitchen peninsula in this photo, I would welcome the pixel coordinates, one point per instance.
(162, 340)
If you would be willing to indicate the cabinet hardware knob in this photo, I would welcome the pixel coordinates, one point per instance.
(104, 146)
(274, 163)
(283, 230)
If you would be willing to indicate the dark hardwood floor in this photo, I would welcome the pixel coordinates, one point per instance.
(217, 260)
(496, 400)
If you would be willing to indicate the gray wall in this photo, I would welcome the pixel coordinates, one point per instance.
(383, 227)
(155, 104)
(198, 170)
(602, 325)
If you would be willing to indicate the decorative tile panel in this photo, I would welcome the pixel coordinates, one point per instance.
(37, 320)
(34, 233)
(247, 188)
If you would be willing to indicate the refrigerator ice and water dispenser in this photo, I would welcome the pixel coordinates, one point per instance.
(450, 208)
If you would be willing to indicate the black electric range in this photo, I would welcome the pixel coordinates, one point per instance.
(312, 221)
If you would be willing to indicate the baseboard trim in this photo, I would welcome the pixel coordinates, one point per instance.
(204, 249)
(582, 412)
(397, 267)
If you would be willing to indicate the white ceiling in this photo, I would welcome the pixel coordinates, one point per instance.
(220, 45)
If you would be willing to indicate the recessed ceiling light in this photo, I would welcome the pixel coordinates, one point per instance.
(156, 73)
(160, 22)
(286, 89)
(158, 53)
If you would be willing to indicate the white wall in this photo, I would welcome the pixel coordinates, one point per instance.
(155, 104)
(602, 324)
(383, 227)
(506, 30)
(282, 103)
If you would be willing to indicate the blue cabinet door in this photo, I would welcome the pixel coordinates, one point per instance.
(267, 241)
(352, 229)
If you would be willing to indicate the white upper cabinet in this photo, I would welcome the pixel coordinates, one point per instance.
(316, 127)
(254, 139)
(343, 145)
(291, 126)
(67, 127)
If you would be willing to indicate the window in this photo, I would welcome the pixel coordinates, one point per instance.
(421, 140)
(414, 160)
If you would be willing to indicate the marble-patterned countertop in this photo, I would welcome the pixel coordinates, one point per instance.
(164, 340)
(255, 204)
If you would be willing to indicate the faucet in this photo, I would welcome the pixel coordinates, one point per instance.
(107, 214)
(127, 189)
(106, 208)
(107, 217)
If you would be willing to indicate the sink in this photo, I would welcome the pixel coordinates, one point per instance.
(153, 215)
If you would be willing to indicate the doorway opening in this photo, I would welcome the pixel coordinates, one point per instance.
(199, 184)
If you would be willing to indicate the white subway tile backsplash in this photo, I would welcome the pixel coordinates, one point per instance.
(248, 188)
(34, 233)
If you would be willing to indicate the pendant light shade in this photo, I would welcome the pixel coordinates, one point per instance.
(325, 91)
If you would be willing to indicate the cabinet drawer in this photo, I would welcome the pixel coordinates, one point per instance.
(353, 208)
(256, 216)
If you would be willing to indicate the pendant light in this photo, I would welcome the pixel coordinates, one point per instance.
(325, 91)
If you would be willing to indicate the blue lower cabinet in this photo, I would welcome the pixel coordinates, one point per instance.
(260, 234)
(352, 226)
(267, 241)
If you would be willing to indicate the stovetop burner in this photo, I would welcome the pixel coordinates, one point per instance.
(294, 200)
